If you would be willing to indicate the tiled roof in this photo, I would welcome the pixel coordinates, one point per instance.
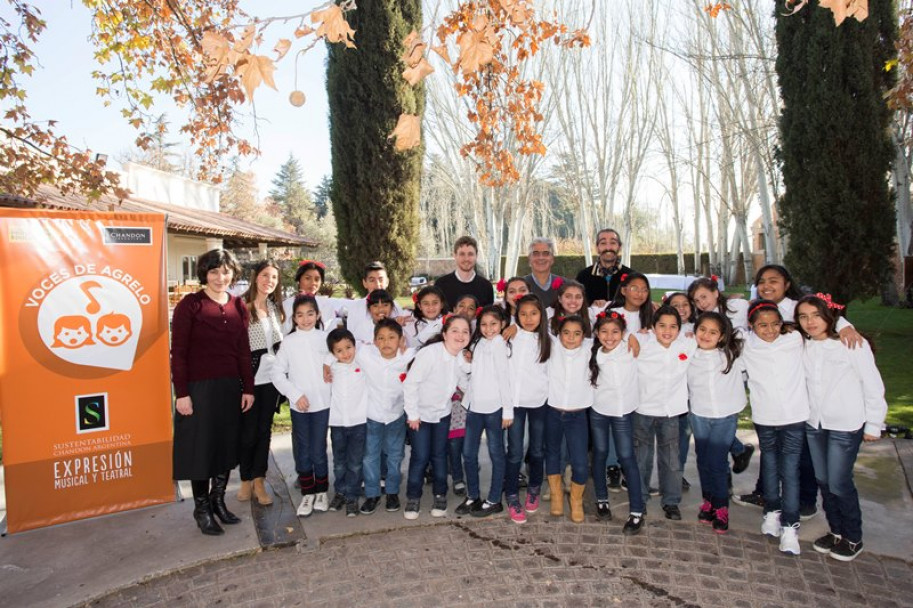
(180, 220)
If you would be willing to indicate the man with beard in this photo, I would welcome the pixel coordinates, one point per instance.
(464, 280)
(601, 280)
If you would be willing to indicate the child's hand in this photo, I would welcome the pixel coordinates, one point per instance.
(599, 303)
(403, 319)
(467, 354)
(643, 330)
(413, 424)
(509, 332)
(327, 374)
(867, 438)
(506, 422)
(184, 406)
(302, 404)
(689, 334)
(850, 337)
(633, 345)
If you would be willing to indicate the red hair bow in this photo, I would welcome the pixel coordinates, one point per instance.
(557, 282)
(320, 265)
(518, 296)
(600, 315)
(502, 285)
(623, 277)
(714, 278)
(415, 298)
(616, 315)
(445, 318)
(830, 303)
(478, 311)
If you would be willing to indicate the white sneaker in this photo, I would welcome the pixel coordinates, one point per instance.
(307, 506)
(322, 503)
(789, 539)
(771, 524)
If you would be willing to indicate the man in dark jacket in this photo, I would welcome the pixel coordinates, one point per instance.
(601, 280)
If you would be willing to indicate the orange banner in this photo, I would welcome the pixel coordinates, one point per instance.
(85, 395)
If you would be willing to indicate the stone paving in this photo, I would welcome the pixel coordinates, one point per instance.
(546, 562)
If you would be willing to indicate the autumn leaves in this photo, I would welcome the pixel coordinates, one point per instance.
(494, 38)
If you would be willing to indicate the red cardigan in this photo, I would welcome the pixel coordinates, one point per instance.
(209, 340)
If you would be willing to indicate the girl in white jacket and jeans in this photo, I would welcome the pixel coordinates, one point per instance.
(847, 406)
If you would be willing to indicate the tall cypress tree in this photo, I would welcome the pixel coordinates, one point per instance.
(835, 149)
(375, 189)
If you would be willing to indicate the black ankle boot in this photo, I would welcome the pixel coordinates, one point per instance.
(217, 498)
(202, 509)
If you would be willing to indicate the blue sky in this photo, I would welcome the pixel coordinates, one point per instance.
(63, 89)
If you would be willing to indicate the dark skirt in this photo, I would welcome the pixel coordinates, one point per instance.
(207, 443)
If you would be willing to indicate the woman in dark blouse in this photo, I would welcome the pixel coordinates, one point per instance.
(213, 385)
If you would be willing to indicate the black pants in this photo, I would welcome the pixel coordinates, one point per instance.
(256, 429)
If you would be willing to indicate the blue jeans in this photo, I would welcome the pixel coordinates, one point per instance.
(384, 443)
(834, 454)
(712, 440)
(536, 418)
(429, 443)
(611, 459)
(684, 439)
(348, 456)
(781, 449)
(623, 434)
(659, 434)
(309, 431)
(491, 424)
(808, 484)
(455, 458)
(560, 424)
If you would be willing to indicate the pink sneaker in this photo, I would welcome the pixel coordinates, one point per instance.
(706, 514)
(516, 513)
(532, 502)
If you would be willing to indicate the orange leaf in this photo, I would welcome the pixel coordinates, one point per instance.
(415, 49)
(333, 26)
(475, 51)
(303, 31)
(417, 73)
(408, 132)
(247, 38)
(442, 52)
(282, 47)
(255, 70)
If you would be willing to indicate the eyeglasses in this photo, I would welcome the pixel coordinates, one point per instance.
(637, 290)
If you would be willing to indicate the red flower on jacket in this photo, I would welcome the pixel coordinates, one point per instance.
(402, 377)
(357, 369)
(682, 356)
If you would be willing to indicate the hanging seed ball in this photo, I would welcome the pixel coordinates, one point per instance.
(296, 98)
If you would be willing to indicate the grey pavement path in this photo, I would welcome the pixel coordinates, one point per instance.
(156, 556)
(545, 563)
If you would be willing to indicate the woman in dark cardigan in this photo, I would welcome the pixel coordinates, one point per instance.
(213, 385)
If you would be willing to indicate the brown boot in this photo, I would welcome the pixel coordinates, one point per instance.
(577, 502)
(244, 491)
(260, 492)
(557, 502)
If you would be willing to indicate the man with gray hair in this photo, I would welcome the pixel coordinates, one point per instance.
(541, 281)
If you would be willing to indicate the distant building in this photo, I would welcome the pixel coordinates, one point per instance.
(193, 222)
